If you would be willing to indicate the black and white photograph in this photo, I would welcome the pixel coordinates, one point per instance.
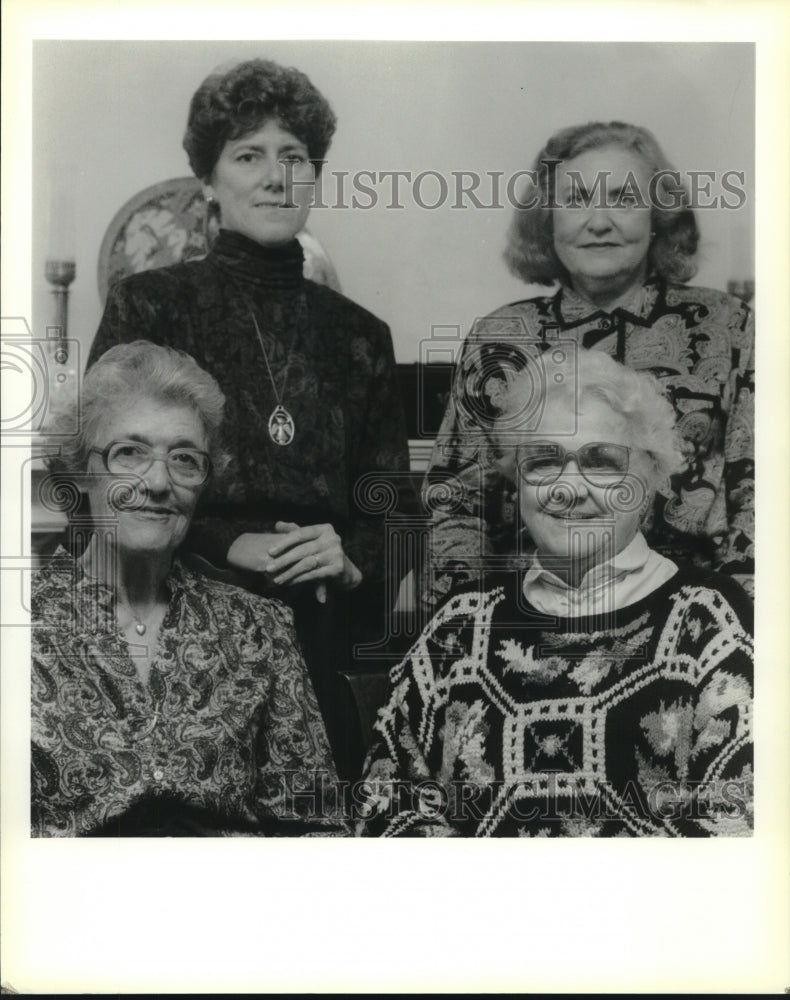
(380, 465)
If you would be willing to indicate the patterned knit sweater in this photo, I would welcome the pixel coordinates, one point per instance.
(503, 721)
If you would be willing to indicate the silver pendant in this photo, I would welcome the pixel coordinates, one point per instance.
(281, 426)
(139, 628)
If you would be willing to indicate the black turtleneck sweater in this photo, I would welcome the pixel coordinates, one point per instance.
(334, 370)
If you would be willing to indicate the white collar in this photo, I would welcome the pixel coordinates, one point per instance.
(625, 578)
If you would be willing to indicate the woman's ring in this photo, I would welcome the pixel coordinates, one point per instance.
(317, 562)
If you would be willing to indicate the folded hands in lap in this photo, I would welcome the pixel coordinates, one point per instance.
(294, 555)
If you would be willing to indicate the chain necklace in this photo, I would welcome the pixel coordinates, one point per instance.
(281, 424)
(141, 626)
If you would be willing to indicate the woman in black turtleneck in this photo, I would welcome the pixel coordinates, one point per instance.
(313, 401)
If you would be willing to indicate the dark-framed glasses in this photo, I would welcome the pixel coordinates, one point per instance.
(186, 466)
(600, 463)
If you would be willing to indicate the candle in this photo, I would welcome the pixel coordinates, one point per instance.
(62, 240)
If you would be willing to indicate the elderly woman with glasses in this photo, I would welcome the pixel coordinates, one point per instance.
(163, 702)
(606, 690)
(607, 220)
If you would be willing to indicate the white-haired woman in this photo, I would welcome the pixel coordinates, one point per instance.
(608, 221)
(163, 703)
(606, 691)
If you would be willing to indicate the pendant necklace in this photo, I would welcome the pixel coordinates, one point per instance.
(140, 626)
(281, 424)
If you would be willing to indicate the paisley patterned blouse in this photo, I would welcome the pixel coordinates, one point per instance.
(225, 737)
(503, 721)
(698, 342)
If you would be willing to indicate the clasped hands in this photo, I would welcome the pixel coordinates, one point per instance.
(294, 554)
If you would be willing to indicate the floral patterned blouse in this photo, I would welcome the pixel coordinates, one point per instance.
(225, 737)
(503, 721)
(698, 342)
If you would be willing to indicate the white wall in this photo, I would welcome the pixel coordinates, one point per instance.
(109, 118)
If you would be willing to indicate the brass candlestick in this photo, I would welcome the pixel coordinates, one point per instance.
(60, 274)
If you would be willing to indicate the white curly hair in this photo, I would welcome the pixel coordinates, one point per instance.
(635, 396)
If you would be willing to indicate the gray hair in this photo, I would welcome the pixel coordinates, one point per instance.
(635, 396)
(138, 370)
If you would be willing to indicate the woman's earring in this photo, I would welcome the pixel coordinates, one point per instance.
(212, 212)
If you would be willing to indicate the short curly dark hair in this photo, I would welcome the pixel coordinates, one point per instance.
(233, 103)
(530, 252)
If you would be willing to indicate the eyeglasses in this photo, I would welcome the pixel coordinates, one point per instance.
(601, 464)
(186, 466)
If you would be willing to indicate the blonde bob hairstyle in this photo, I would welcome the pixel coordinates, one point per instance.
(530, 253)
